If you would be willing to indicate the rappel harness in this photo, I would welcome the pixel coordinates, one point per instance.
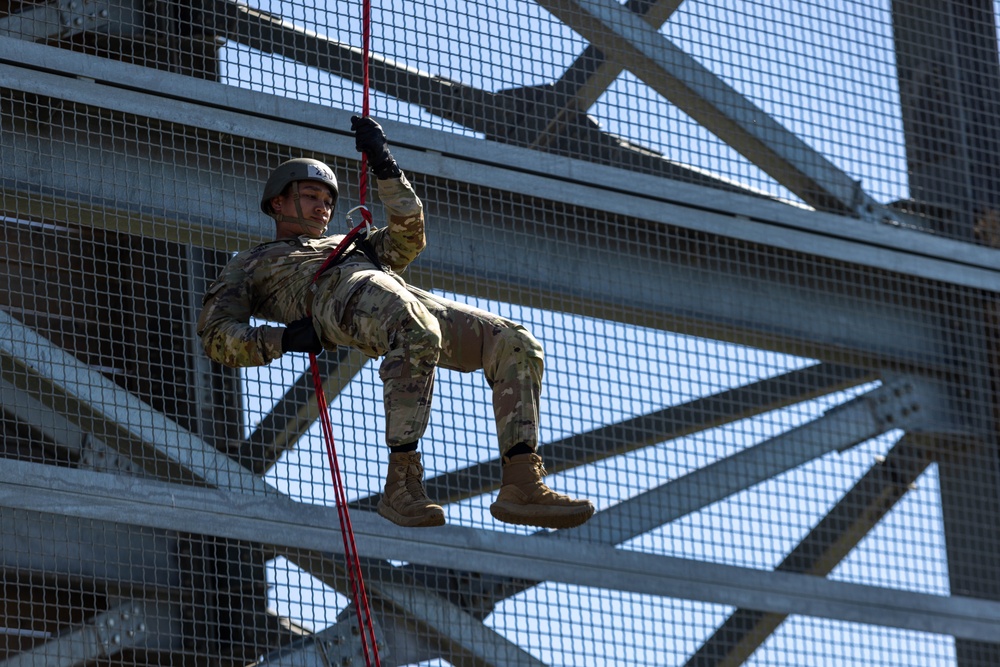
(358, 236)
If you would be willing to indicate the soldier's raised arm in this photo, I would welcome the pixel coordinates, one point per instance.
(401, 240)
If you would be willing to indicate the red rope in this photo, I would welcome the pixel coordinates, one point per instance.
(355, 576)
(366, 625)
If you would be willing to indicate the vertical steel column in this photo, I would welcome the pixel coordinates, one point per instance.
(946, 53)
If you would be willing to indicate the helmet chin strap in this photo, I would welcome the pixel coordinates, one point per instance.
(302, 219)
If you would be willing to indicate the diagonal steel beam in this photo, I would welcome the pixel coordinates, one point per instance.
(586, 79)
(45, 422)
(58, 380)
(667, 424)
(104, 636)
(499, 116)
(904, 402)
(888, 407)
(296, 411)
(479, 594)
(819, 552)
(268, 33)
(626, 38)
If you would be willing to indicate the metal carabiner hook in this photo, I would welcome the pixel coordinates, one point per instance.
(365, 214)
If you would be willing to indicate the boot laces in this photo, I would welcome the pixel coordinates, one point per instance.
(536, 460)
(411, 474)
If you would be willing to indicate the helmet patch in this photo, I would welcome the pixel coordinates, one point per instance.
(317, 172)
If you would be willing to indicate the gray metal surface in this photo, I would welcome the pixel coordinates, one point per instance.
(102, 637)
(32, 364)
(898, 405)
(747, 309)
(615, 290)
(307, 527)
(946, 50)
(340, 644)
(826, 545)
(260, 117)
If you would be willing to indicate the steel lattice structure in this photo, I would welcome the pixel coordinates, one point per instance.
(147, 494)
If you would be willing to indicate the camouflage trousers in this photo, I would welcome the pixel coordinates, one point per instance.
(415, 332)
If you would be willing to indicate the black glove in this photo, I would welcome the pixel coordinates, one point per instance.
(370, 140)
(300, 336)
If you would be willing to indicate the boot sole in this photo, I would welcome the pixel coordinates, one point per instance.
(426, 521)
(541, 516)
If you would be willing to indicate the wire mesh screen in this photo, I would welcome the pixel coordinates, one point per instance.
(756, 243)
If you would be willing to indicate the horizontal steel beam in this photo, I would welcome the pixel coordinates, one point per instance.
(690, 293)
(174, 98)
(307, 527)
(32, 364)
(98, 556)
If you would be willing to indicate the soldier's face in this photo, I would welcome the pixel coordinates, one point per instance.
(315, 205)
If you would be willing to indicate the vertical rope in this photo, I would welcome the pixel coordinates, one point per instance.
(366, 625)
(366, 38)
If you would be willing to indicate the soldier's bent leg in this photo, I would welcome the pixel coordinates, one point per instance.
(383, 317)
(512, 361)
(510, 357)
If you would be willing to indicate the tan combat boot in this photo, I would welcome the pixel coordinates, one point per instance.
(405, 502)
(525, 500)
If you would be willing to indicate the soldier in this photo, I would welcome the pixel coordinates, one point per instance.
(361, 301)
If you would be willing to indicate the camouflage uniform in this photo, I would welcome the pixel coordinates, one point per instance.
(375, 311)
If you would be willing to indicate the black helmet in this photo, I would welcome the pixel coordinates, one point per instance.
(299, 169)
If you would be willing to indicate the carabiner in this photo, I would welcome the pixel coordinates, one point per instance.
(365, 214)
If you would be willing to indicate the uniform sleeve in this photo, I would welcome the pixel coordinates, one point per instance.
(224, 324)
(402, 239)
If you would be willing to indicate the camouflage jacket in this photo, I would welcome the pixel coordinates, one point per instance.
(274, 281)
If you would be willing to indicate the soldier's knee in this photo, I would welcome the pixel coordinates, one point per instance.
(415, 344)
(515, 349)
(421, 330)
(521, 343)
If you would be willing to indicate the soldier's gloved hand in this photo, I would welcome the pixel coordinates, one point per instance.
(371, 140)
(300, 336)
